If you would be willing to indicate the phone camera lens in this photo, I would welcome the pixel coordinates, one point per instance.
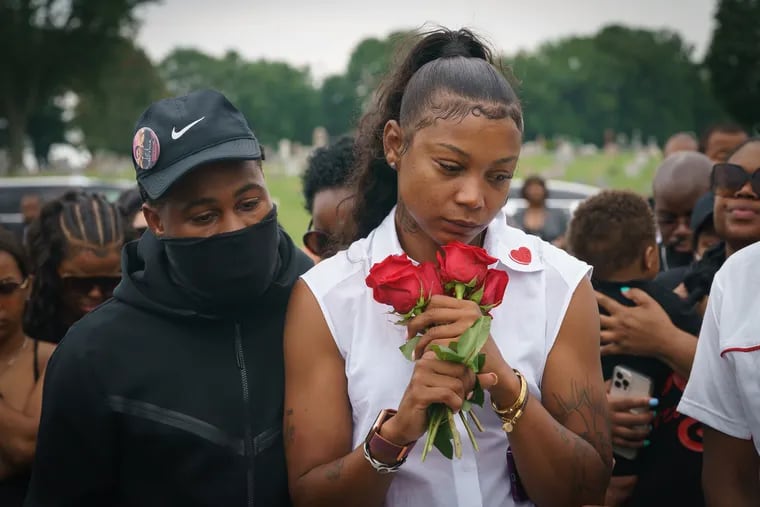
(617, 384)
(626, 384)
(619, 375)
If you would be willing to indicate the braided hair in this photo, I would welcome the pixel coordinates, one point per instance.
(77, 220)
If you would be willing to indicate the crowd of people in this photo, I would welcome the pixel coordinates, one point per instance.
(178, 348)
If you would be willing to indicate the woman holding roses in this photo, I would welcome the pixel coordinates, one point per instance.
(436, 155)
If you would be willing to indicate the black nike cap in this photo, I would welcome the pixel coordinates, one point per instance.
(174, 136)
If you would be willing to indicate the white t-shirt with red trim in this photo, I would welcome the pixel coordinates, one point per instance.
(723, 391)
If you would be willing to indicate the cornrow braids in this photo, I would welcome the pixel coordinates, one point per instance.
(77, 220)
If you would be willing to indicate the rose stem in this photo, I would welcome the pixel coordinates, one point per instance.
(454, 433)
(433, 424)
(475, 419)
(428, 439)
(469, 431)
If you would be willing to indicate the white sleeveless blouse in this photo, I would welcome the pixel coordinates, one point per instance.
(524, 328)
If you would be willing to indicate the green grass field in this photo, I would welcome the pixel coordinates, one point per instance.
(286, 191)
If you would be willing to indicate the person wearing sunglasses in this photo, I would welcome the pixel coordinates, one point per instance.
(22, 365)
(328, 195)
(736, 217)
(172, 392)
(736, 184)
(75, 251)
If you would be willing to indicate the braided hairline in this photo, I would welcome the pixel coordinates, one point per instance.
(58, 234)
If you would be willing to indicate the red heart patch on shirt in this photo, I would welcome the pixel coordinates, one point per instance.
(521, 256)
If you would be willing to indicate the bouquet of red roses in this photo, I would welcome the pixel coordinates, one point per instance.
(463, 273)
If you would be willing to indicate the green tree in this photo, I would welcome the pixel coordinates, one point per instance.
(279, 100)
(623, 79)
(734, 59)
(370, 61)
(46, 127)
(344, 96)
(50, 47)
(106, 113)
(340, 105)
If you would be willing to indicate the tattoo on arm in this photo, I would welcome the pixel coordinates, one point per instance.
(290, 429)
(405, 220)
(587, 407)
(333, 470)
(590, 406)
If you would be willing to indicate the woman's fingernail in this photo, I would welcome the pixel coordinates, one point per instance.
(470, 395)
(647, 443)
(653, 402)
(625, 289)
(414, 355)
(495, 378)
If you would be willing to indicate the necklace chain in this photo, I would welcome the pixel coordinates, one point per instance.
(10, 362)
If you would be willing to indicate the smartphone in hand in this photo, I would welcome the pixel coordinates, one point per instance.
(628, 383)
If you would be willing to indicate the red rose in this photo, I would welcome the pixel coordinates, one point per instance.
(464, 263)
(430, 278)
(493, 288)
(396, 282)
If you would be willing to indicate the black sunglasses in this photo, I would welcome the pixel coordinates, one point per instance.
(730, 178)
(316, 241)
(8, 287)
(85, 284)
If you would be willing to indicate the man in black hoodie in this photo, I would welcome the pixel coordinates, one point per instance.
(171, 392)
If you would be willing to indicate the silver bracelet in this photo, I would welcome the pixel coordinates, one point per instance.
(379, 466)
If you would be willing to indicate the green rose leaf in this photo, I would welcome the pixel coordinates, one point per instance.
(446, 354)
(408, 348)
(443, 439)
(478, 396)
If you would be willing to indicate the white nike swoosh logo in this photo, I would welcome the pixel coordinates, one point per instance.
(176, 135)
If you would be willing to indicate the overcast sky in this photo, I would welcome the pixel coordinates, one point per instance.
(322, 33)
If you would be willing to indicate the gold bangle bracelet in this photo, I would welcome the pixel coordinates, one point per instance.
(518, 402)
(509, 424)
(510, 416)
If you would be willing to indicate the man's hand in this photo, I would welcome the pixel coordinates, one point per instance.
(639, 330)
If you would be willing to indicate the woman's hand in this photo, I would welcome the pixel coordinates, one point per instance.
(444, 321)
(433, 381)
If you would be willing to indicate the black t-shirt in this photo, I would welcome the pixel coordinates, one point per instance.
(672, 278)
(670, 259)
(669, 469)
(13, 490)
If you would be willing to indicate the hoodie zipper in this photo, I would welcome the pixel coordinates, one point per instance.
(246, 402)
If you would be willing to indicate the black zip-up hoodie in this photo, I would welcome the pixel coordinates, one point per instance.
(150, 401)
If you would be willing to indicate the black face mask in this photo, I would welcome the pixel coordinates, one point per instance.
(228, 270)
